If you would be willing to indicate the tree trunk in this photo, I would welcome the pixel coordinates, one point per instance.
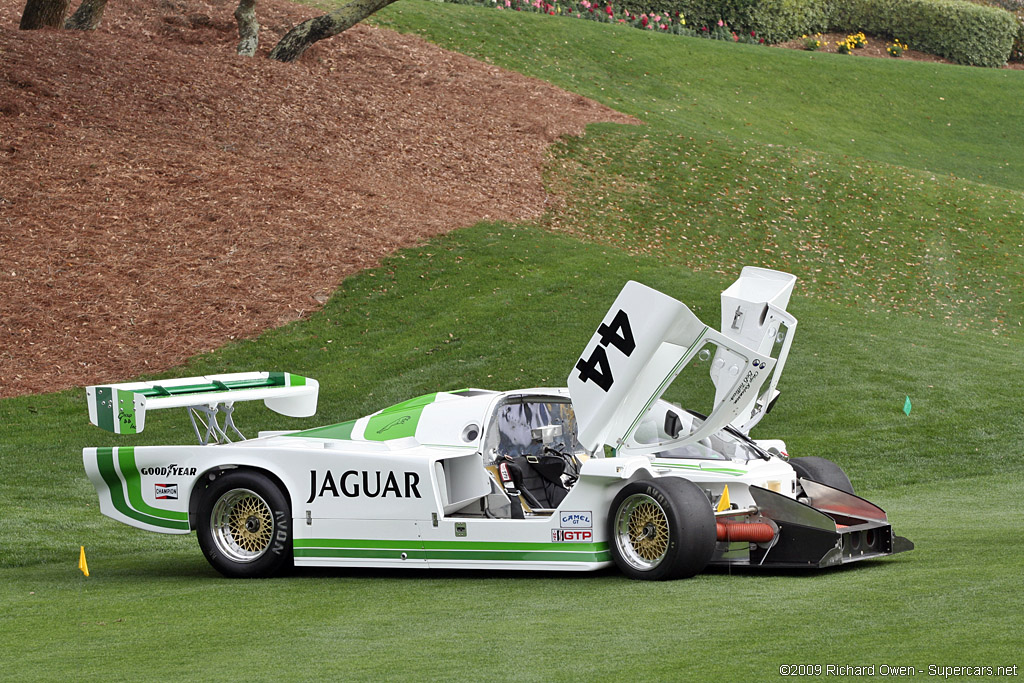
(248, 28)
(87, 16)
(308, 32)
(44, 13)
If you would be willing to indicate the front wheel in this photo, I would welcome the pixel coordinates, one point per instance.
(662, 529)
(245, 526)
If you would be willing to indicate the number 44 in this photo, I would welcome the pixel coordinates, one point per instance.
(596, 368)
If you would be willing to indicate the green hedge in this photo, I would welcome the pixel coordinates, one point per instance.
(956, 29)
(961, 31)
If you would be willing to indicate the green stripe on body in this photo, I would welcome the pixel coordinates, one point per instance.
(273, 379)
(399, 421)
(342, 431)
(453, 550)
(133, 482)
(167, 519)
(477, 555)
(125, 412)
(684, 466)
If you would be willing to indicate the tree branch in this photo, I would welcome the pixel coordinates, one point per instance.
(296, 41)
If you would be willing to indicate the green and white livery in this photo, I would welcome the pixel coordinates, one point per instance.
(607, 470)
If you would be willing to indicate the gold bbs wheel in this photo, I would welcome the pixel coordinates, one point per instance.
(661, 528)
(242, 525)
(642, 532)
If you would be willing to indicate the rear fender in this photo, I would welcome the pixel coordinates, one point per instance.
(156, 488)
(145, 488)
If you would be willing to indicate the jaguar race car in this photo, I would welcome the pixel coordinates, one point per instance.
(606, 470)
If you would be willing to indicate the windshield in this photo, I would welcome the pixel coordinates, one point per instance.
(513, 429)
(666, 423)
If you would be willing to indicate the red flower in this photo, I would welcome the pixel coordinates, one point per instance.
(609, 10)
(644, 21)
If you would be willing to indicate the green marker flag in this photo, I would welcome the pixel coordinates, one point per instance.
(906, 406)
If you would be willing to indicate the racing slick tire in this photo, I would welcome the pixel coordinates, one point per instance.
(822, 471)
(245, 525)
(661, 529)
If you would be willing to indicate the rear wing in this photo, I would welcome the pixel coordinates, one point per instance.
(754, 314)
(121, 408)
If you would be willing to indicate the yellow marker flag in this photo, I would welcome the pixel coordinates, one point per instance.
(723, 502)
(82, 564)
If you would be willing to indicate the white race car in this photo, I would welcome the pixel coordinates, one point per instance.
(605, 470)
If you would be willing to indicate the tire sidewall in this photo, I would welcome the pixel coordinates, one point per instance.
(691, 523)
(278, 556)
(822, 471)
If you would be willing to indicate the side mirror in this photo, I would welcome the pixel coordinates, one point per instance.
(673, 425)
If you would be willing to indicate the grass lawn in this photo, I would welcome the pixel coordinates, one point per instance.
(910, 267)
(937, 117)
(502, 306)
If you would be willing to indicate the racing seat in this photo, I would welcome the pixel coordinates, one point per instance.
(537, 478)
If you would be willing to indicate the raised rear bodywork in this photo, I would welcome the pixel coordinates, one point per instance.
(604, 471)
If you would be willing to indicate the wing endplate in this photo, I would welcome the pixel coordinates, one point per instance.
(754, 314)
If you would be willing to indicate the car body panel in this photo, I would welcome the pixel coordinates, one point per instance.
(416, 484)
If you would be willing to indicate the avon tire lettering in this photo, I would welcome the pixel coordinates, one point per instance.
(281, 535)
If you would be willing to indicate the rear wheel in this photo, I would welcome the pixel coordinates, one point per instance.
(245, 526)
(662, 529)
(822, 471)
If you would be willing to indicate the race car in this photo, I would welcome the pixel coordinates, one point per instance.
(607, 470)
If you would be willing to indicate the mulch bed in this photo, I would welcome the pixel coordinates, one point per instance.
(160, 196)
